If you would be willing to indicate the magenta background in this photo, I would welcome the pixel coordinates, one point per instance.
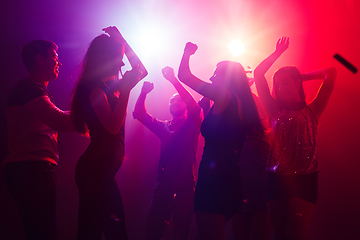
(317, 30)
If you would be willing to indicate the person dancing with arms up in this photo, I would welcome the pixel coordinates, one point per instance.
(174, 189)
(99, 107)
(292, 165)
(218, 193)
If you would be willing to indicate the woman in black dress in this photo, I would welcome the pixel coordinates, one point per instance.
(99, 108)
(218, 192)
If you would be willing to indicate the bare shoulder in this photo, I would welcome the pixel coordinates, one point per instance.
(96, 95)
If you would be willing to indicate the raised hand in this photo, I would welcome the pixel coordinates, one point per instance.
(147, 87)
(190, 48)
(130, 79)
(169, 74)
(282, 44)
(114, 33)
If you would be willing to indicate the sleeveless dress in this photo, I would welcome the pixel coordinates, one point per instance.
(100, 206)
(219, 187)
(293, 165)
(253, 174)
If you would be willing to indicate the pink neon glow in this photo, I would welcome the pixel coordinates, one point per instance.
(157, 31)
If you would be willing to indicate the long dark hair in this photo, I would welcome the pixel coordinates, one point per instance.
(240, 86)
(99, 62)
(294, 74)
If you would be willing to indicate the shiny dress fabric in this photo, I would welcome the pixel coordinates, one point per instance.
(219, 187)
(293, 166)
(293, 144)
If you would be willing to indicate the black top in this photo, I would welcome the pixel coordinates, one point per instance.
(224, 135)
(219, 188)
(105, 152)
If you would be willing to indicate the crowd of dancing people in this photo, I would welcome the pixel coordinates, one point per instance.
(258, 169)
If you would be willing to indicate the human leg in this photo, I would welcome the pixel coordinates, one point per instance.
(89, 216)
(159, 213)
(261, 226)
(113, 214)
(278, 211)
(210, 226)
(299, 217)
(241, 224)
(33, 187)
(251, 225)
(183, 210)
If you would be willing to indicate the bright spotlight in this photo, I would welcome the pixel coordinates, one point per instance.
(236, 47)
(150, 41)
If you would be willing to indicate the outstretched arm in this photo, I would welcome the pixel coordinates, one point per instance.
(46, 111)
(218, 94)
(189, 100)
(134, 60)
(140, 112)
(262, 87)
(318, 105)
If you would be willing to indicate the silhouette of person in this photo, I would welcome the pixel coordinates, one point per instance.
(292, 165)
(218, 193)
(99, 107)
(174, 189)
(33, 122)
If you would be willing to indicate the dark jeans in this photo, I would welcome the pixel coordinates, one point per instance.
(164, 202)
(32, 185)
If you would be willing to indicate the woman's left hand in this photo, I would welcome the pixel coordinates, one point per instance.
(282, 44)
(114, 33)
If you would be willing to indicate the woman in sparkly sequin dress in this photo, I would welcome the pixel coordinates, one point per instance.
(292, 164)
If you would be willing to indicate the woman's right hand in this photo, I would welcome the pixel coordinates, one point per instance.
(130, 79)
(282, 44)
(190, 48)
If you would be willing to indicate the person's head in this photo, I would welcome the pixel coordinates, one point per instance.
(287, 85)
(232, 76)
(177, 106)
(103, 58)
(227, 73)
(40, 56)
